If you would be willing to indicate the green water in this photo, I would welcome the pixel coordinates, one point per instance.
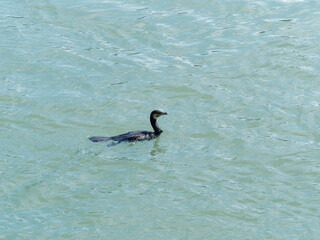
(239, 155)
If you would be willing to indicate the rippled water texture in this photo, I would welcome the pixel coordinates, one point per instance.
(239, 156)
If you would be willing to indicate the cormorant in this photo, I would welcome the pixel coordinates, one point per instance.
(135, 135)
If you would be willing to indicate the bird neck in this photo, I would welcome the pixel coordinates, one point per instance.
(155, 126)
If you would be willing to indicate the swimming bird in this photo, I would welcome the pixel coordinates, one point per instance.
(136, 135)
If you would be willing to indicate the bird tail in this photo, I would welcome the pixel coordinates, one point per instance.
(99, 139)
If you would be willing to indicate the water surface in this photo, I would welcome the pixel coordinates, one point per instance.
(239, 156)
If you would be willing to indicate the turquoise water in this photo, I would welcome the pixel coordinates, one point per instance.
(239, 156)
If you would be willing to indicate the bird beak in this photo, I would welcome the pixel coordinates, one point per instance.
(159, 114)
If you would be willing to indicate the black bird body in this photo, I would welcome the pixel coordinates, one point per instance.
(136, 135)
